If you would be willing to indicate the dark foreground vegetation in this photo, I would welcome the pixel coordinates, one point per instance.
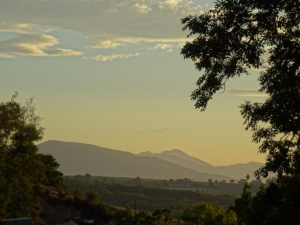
(24, 173)
(231, 39)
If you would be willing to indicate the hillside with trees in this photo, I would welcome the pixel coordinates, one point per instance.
(138, 196)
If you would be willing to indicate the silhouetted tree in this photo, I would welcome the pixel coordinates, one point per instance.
(48, 172)
(232, 38)
(24, 173)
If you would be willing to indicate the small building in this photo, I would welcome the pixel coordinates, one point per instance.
(17, 221)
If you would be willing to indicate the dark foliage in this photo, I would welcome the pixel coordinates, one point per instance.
(275, 205)
(233, 38)
(23, 172)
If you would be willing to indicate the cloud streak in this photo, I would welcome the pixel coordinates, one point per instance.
(104, 58)
(34, 45)
(106, 44)
(5, 56)
(22, 28)
(163, 46)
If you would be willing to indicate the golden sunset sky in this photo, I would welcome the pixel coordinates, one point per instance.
(110, 73)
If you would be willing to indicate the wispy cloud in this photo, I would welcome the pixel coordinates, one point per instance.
(34, 45)
(247, 92)
(106, 44)
(104, 58)
(163, 46)
(5, 56)
(15, 27)
(22, 28)
(63, 52)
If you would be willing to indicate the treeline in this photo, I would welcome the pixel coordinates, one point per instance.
(145, 198)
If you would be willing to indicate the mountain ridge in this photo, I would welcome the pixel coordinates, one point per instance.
(183, 155)
(238, 171)
(78, 158)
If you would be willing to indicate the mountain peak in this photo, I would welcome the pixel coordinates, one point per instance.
(174, 151)
(185, 156)
(147, 153)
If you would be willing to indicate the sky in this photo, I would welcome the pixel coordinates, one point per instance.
(110, 73)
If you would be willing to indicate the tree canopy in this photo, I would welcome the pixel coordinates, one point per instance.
(204, 213)
(235, 37)
(127, 217)
(23, 171)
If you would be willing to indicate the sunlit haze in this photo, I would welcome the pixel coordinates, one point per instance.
(110, 73)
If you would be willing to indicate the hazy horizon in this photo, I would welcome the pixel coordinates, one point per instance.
(78, 158)
(110, 73)
(154, 153)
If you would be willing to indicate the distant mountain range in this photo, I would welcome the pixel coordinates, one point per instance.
(77, 158)
(237, 171)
